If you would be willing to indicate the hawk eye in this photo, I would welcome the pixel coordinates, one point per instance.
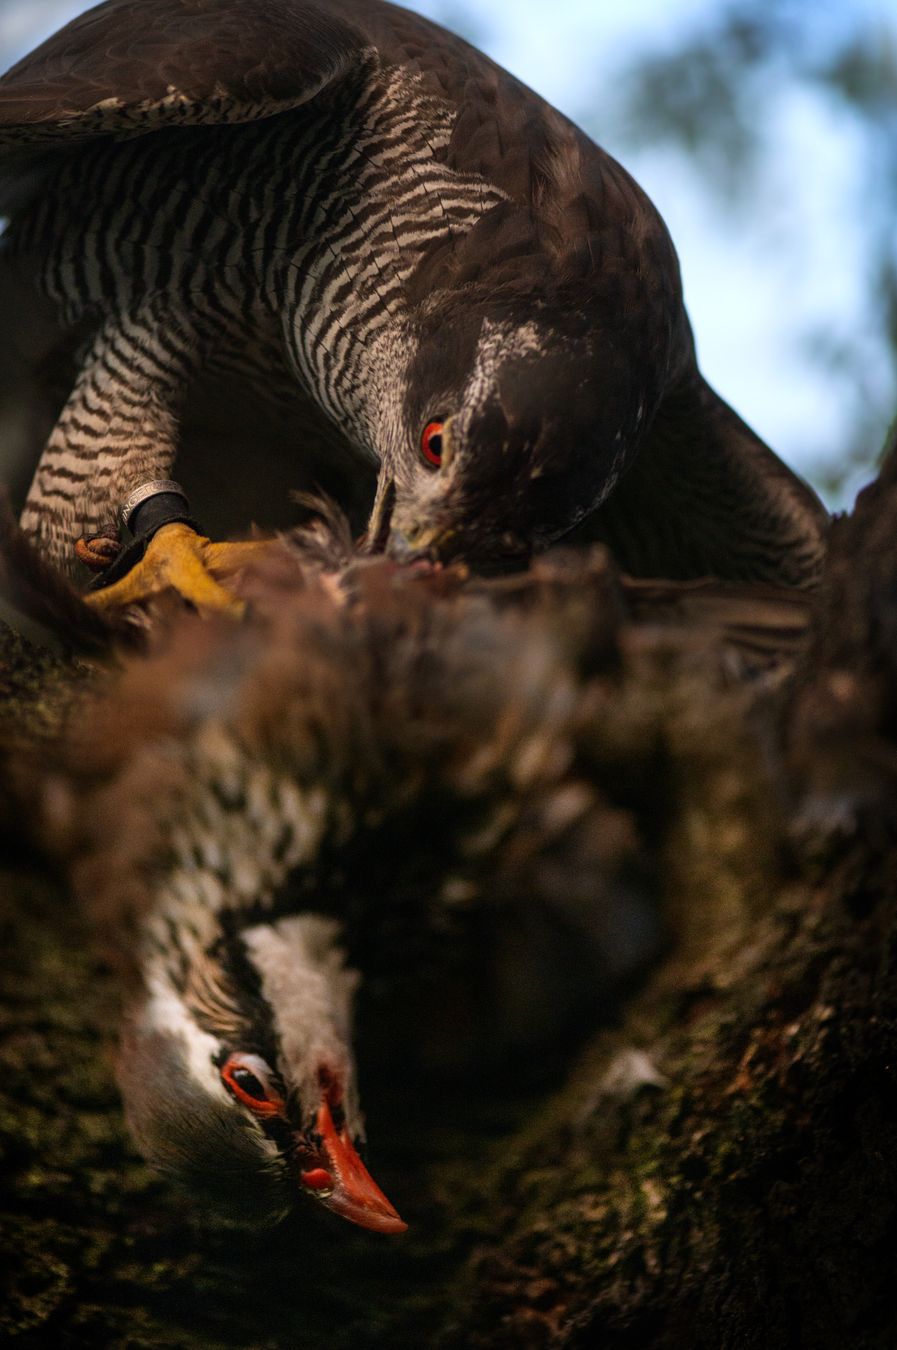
(248, 1078)
(431, 443)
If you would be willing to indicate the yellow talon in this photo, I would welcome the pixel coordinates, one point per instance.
(179, 559)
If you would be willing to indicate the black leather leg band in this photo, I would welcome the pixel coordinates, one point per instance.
(144, 518)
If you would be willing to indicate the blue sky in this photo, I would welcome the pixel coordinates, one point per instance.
(755, 282)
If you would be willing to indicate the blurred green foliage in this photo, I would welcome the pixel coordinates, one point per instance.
(712, 92)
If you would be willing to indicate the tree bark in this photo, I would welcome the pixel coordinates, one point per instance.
(718, 1167)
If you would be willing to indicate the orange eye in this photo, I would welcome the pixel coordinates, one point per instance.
(431, 443)
(248, 1078)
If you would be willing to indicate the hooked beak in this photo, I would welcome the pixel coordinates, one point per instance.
(344, 1184)
(419, 546)
(447, 547)
(425, 545)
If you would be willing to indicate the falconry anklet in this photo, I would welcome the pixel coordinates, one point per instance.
(143, 513)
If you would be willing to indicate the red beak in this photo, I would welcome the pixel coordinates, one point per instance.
(345, 1185)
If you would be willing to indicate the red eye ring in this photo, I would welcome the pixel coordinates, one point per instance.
(431, 443)
(250, 1067)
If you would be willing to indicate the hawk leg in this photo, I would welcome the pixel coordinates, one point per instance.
(180, 560)
(118, 427)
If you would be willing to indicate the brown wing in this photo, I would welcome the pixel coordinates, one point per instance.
(706, 498)
(129, 66)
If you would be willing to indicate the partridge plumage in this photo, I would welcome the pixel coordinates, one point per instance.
(326, 244)
(384, 771)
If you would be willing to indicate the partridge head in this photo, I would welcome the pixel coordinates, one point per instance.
(238, 1076)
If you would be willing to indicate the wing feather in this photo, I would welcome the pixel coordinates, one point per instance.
(129, 66)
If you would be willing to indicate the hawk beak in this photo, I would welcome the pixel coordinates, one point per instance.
(431, 541)
(344, 1184)
(426, 545)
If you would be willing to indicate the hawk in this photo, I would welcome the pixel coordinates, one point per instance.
(327, 244)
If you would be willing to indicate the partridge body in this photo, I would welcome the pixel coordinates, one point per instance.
(325, 243)
(389, 772)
